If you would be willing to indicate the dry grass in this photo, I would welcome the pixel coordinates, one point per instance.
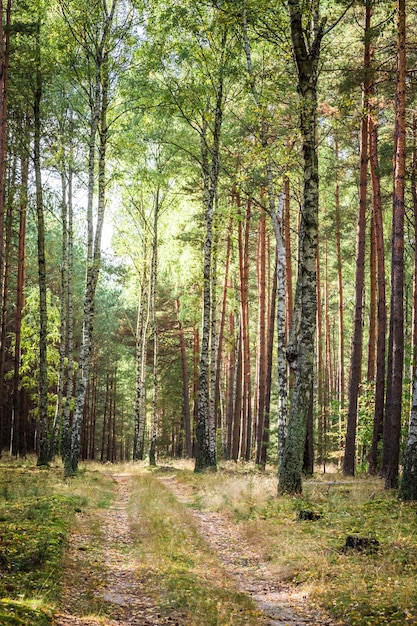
(369, 588)
(177, 562)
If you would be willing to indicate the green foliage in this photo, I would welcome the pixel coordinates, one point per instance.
(37, 512)
(29, 369)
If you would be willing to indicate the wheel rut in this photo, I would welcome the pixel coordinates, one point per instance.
(282, 604)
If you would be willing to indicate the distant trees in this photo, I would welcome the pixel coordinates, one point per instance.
(229, 158)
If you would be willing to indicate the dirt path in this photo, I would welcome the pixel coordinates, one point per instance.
(283, 605)
(104, 577)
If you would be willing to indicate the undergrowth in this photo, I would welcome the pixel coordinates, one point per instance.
(37, 512)
(375, 587)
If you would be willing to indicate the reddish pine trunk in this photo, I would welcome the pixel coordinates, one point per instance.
(231, 367)
(270, 349)
(357, 340)
(261, 351)
(238, 402)
(222, 324)
(370, 376)
(392, 424)
(381, 306)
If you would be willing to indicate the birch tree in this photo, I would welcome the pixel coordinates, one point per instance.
(275, 211)
(96, 40)
(306, 36)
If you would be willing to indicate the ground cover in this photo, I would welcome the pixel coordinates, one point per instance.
(38, 509)
(134, 545)
(369, 587)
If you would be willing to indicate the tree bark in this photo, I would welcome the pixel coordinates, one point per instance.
(269, 366)
(374, 456)
(142, 325)
(43, 450)
(20, 300)
(66, 426)
(5, 21)
(98, 124)
(154, 327)
(261, 351)
(301, 353)
(341, 324)
(57, 423)
(185, 386)
(392, 424)
(357, 339)
(205, 449)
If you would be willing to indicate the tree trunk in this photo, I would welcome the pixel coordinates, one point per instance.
(237, 396)
(217, 408)
(269, 366)
(142, 325)
(231, 367)
(341, 324)
(301, 354)
(205, 452)
(392, 424)
(66, 427)
(7, 249)
(408, 488)
(5, 20)
(370, 375)
(185, 386)
(57, 423)
(4, 73)
(357, 340)
(154, 326)
(374, 460)
(286, 233)
(261, 340)
(320, 372)
(20, 301)
(43, 451)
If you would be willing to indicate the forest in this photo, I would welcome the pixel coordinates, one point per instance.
(208, 217)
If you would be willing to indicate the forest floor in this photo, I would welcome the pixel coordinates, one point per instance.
(107, 582)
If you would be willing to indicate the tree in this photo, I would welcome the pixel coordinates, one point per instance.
(306, 38)
(43, 454)
(356, 358)
(392, 423)
(98, 45)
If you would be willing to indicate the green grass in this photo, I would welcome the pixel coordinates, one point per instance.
(176, 561)
(364, 589)
(37, 512)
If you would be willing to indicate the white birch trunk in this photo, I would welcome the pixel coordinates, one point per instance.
(98, 124)
(141, 349)
(154, 274)
(281, 326)
(276, 215)
(408, 489)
